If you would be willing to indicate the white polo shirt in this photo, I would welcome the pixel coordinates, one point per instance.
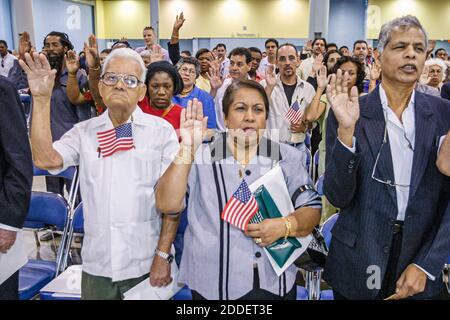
(6, 63)
(121, 222)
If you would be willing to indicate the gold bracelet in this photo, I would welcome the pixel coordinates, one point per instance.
(288, 225)
(73, 75)
(94, 69)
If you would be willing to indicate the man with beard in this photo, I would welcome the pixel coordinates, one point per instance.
(360, 51)
(63, 114)
(319, 48)
(283, 91)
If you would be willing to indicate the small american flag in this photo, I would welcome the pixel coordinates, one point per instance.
(120, 138)
(241, 207)
(294, 113)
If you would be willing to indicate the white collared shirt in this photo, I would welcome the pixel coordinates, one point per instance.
(402, 136)
(6, 63)
(279, 106)
(121, 222)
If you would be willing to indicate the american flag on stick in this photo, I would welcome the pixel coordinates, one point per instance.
(116, 139)
(241, 207)
(294, 114)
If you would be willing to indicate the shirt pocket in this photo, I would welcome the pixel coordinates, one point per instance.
(146, 165)
(91, 166)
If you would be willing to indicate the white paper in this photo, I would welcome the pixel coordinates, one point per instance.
(275, 184)
(144, 291)
(67, 283)
(14, 259)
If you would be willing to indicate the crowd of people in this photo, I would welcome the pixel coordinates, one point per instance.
(206, 125)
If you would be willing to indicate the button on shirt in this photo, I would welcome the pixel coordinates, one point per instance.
(218, 258)
(279, 106)
(6, 63)
(120, 219)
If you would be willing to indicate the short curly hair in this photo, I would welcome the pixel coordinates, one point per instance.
(360, 72)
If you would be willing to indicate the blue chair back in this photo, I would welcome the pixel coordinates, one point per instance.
(316, 158)
(327, 226)
(308, 162)
(67, 174)
(319, 185)
(308, 140)
(78, 219)
(46, 208)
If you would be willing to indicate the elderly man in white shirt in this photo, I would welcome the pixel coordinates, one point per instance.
(6, 59)
(120, 162)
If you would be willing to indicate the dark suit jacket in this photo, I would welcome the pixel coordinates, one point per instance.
(16, 167)
(363, 234)
(445, 91)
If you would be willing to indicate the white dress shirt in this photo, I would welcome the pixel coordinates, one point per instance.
(6, 63)
(121, 222)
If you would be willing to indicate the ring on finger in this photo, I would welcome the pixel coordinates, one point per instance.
(258, 240)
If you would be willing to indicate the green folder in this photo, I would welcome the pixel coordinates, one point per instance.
(281, 249)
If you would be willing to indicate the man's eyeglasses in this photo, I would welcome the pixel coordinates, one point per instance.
(388, 182)
(111, 79)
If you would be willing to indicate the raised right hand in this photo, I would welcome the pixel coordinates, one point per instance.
(91, 51)
(72, 63)
(345, 105)
(271, 78)
(24, 44)
(179, 21)
(193, 125)
(214, 76)
(41, 78)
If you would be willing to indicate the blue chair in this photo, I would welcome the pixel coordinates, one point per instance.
(308, 140)
(315, 165)
(46, 208)
(302, 293)
(308, 162)
(184, 294)
(319, 185)
(326, 232)
(327, 227)
(77, 226)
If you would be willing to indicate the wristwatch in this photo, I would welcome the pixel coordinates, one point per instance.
(168, 256)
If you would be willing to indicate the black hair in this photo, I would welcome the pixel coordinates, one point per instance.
(228, 97)
(327, 56)
(107, 51)
(126, 43)
(271, 40)
(440, 49)
(164, 66)
(187, 52)
(63, 39)
(343, 48)
(4, 43)
(255, 49)
(241, 51)
(316, 39)
(332, 44)
(287, 44)
(360, 72)
(359, 41)
(201, 51)
(221, 45)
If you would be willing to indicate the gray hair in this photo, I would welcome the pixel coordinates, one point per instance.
(128, 54)
(189, 60)
(405, 22)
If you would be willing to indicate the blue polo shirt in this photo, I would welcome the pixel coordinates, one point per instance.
(206, 100)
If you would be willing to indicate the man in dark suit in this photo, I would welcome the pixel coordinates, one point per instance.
(16, 174)
(392, 237)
